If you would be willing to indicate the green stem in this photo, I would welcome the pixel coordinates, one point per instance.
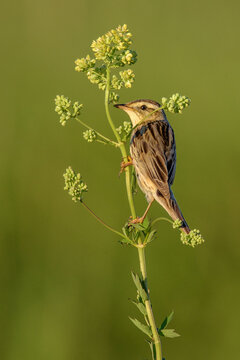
(101, 142)
(121, 146)
(102, 136)
(107, 92)
(102, 222)
(128, 182)
(161, 218)
(141, 252)
(156, 337)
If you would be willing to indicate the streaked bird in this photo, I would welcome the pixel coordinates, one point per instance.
(153, 154)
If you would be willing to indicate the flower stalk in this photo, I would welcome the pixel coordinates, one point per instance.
(102, 222)
(121, 145)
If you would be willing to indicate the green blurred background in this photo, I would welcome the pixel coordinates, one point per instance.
(64, 280)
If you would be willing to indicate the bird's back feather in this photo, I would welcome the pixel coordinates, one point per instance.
(153, 151)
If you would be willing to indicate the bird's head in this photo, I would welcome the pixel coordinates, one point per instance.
(139, 110)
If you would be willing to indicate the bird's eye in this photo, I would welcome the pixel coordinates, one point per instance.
(143, 107)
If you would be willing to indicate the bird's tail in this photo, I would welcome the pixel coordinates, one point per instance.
(171, 206)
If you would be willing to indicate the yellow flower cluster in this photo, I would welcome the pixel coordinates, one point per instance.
(106, 47)
(176, 103)
(65, 108)
(127, 77)
(90, 135)
(193, 238)
(177, 224)
(124, 130)
(84, 64)
(111, 51)
(74, 184)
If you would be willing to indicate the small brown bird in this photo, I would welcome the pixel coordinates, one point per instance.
(153, 154)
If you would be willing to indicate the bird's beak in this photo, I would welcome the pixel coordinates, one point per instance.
(121, 106)
(130, 111)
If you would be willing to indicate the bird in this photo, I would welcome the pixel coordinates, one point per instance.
(153, 155)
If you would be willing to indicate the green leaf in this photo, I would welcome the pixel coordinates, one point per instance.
(145, 223)
(125, 230)
(133, 181)
(144, 328)
(150, 237)
(153, 350)
(139, 227)
(126, 241)
(142, 226)
(170, 333)
(166, 321)
(140, 307)
(140, 286)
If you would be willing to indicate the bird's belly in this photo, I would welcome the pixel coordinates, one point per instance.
(144, 184)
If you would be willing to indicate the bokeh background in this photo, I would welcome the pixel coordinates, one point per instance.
(64, 280)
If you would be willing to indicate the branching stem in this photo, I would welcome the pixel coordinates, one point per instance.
(160, 219)
(100, 135)
(121, 146)
(141, 250)
(102, 222)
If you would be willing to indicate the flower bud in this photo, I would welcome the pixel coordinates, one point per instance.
(90, 135)
(74, 184)
(176, 103)
(193, 238)
(65, 109)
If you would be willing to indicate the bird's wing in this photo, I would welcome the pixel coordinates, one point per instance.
(170, 154)
(151, 150)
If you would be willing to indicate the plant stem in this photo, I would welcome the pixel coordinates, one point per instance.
(141, 251)
(107, 91)
(102, 136)
(162, 218)
(121, 146)
(156, 337)
(102, 222)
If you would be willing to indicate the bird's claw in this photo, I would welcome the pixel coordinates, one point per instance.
(138, 220)
(124, 164)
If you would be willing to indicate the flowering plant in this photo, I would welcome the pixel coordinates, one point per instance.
(112, 52)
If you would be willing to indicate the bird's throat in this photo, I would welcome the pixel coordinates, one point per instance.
(133, 116)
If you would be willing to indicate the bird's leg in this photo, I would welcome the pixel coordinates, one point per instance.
(124, 164)
(141, 219)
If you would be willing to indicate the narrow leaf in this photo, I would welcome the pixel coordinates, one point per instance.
(139, 286)
(125, 230)
(153, 350)
(126, 241)
(166, 321)
(140, 307)
(170, 333)
(139, 227)
(133, 182)
(151, 236)
(145, 223)
(144, 328)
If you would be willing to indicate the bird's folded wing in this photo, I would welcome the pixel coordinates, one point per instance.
(148, 150)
